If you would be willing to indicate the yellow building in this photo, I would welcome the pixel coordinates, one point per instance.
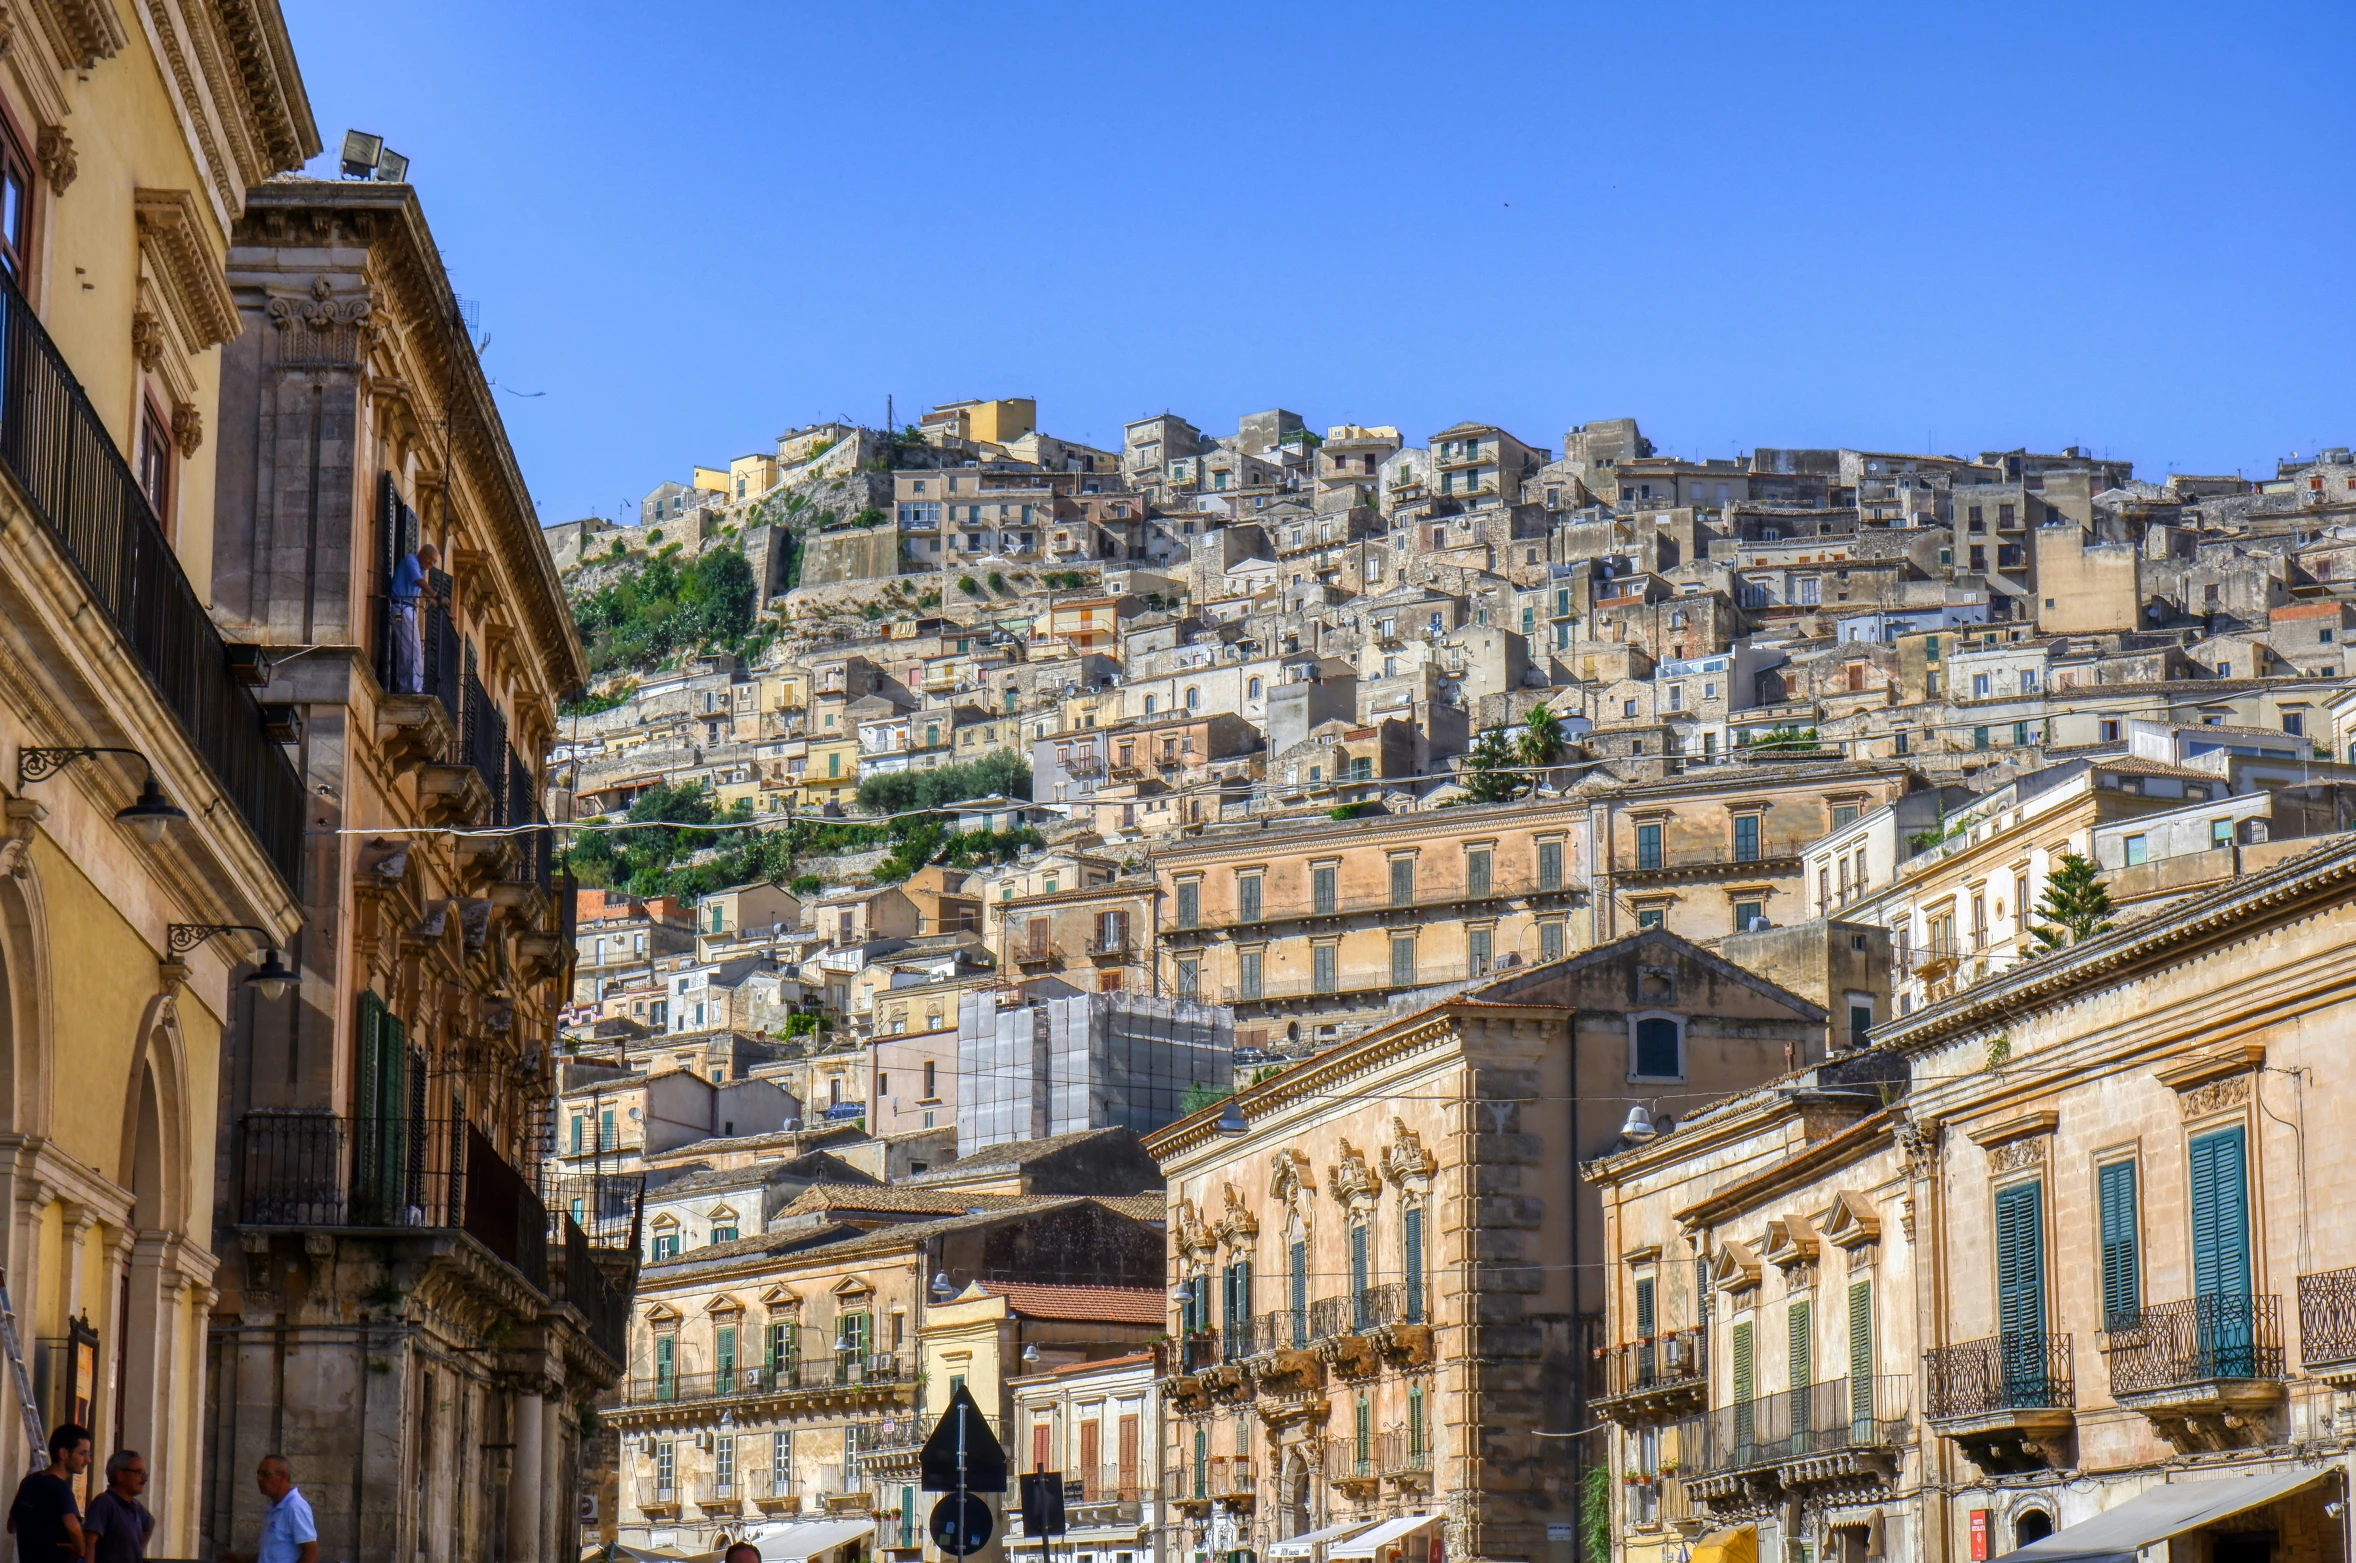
(998, 422)
(151, 825)
(749, 477)
(714, 479)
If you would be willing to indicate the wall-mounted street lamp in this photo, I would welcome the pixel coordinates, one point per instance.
(270, 978)
(150, 815)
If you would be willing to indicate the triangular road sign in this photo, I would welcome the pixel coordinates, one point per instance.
(984, 1461)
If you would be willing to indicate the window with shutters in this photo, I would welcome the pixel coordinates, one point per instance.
(1362, 1434)
(1190, 903)
(1322, 964)
(1321, 888)
(1550, 941)
(1861, 1352)
(1361, 1274)
(1647, 1359)
(2220, 1215)
(666, 1366)
(1403, 881)
(1128, 1456)
(1248, 966)
(1247, 898)
(1550, 865)
(781, 1349)
(1745, 1389)
(2020, 1289)
(1042, 1444)
(1202, 1461)
(1190, 980)
(2121, 1239)
(1480, 946)
(1411, 1260)
(1476, 871)
(1746, 838)
(1299, 1258)
(1648, 846)
(1039, 932)
(724, 1354)
(1800, 1368)
(1659, 1048)
(1403, 961)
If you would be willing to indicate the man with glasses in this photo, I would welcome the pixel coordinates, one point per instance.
(118, 1525)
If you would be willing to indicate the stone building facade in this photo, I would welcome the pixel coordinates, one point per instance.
(128, 935)
(1389, 1282)
(402, 1308)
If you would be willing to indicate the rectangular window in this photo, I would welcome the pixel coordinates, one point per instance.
(1402, 963)
(1479, 950)
(1322, 967)
(1550, 865)
(1476, 871)
(2121, 1238)
(2220, 835)
(1648, 846)
(1745, 1392)
(1550, 941)
(724, 1349)
(1190, 980)
(1411, 1249)
(1860, 1351)
(1247, 898)
(1746, 838)
(1321, 889)
(2020, 1266)
(666, 1470)
(1748, 915)
(724, 1465)
(1247, 969)
(666, 1363)
(580, 1126)
(1403, 881)
(1190, 903)
(1650, 917)
(2137, 850)
(2220, 1217)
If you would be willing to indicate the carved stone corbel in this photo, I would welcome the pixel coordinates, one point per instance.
(23, 816)
(54, 151)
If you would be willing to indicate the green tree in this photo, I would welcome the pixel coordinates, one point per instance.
(1203, 1094)
(1541, 741)
(1489, 773)
(2075, 906)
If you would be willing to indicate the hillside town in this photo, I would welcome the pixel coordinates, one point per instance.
(1279, 989)
(1114, 931)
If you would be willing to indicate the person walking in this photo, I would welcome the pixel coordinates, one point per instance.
(44, 1519)
(289, 1535)
(118, 1525)
(411, 578)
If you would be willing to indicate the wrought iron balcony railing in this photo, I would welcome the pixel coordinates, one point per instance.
(1669, 1360)
(2023, 1370)
(1354, 1313)
(1797, 1424)
(2193, 1340)
(807, 1372)
(2327, 1317)
(85, 497)
(315, 1170)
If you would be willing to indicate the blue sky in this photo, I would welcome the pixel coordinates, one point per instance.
(692, 226)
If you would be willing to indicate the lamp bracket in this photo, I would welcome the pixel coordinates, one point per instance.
(34, 764)
(183, 937)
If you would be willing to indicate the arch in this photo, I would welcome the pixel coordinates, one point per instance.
(156, 1128)
(2031, 1525)
(24, 1004)
(1292, 1496)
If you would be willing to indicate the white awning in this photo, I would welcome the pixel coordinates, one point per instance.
(2157, 1513)
(1370, 1543)
(810, 1539)
(1302, 1545)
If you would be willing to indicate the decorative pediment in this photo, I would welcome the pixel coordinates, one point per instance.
(1849, 1223)
(1791, 1246)
(1189, 1231)
(664, 1222)
(1734, 1268)
(851, 1289)
(1292, 1178)
(1404, 1159)
(781, 1299)
(720, 1213)
(1237, 1227)
(724, 1304)
(662, 1313)
(2214, 1082)
(1350, 1178)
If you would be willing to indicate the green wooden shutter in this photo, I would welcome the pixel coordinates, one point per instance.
(2220, 1216)
(1358, 1276)
(1411, 1244)
(1742, 1362)
(1803, 1346)
(1243, 1290)
(2020, 1261)
(1300, 1278)
(1861, 1351)
(1644, 1310)
(2122, 1271)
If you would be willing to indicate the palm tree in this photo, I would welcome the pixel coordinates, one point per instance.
(1541, 741)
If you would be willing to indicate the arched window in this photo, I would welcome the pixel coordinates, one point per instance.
(1194, 699)
(1252, 690)
(1149, 705)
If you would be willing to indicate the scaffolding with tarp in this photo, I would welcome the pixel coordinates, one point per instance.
(1045, 1064)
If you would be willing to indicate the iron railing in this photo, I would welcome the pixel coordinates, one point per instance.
(534, 859)
(1268, 909)
(1219, 1476)
(1111, 1484)
(1669, 1360)
(316, 1170)
(1354, 1313)
(440, 651)
(2020, 1370)
(1190, 1352)
(2195, 1339)
(1403, 1451)
(481, 742)
(2327, 1317)
(604, 1307)
(1796, 1424)
(607, 1205)
(84, 495)
(797, 1374)
(1351, 1457)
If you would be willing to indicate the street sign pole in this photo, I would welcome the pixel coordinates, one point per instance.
(961, 1464)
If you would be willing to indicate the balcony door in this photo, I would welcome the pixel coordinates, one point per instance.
(2225, 1339)
(2020, 1291)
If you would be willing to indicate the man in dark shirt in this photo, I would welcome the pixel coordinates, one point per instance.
(118, 1524)
(44, 1519)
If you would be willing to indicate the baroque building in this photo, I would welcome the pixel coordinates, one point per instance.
(404, 1311)
(151, 823)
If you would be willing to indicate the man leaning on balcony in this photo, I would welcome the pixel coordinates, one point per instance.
(409, 585)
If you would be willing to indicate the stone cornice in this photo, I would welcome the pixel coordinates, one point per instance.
(1319, 1076)
(171, 237)
(80, 32)
(1419, 827)
(2199, 920)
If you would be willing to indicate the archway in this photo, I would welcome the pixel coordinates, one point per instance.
(2031, 1525)
(1293, 1497)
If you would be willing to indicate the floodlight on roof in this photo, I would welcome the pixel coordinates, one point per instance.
(392, 167)
(361, 151)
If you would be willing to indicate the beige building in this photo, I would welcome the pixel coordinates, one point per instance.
(386, 1126)
(152, 825)
(1390, 1281)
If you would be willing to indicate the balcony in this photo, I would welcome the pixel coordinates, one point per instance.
(1268, 913)
(1387, 1321)
(1111, 946)
(1842, 1431)
(810, 1374)
(2207, 1371)
(717, 1497)
(1404, 1454)
(312, 1170)
(2005, 1401)
(86, 500)
(1705, 864)
(2327, 1324)
(1656, 1378)
(1223, 1479)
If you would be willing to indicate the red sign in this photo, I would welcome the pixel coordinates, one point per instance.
(1979, 1536)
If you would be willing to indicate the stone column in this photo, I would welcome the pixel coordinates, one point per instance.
(556, 1500)
(527, 1531)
